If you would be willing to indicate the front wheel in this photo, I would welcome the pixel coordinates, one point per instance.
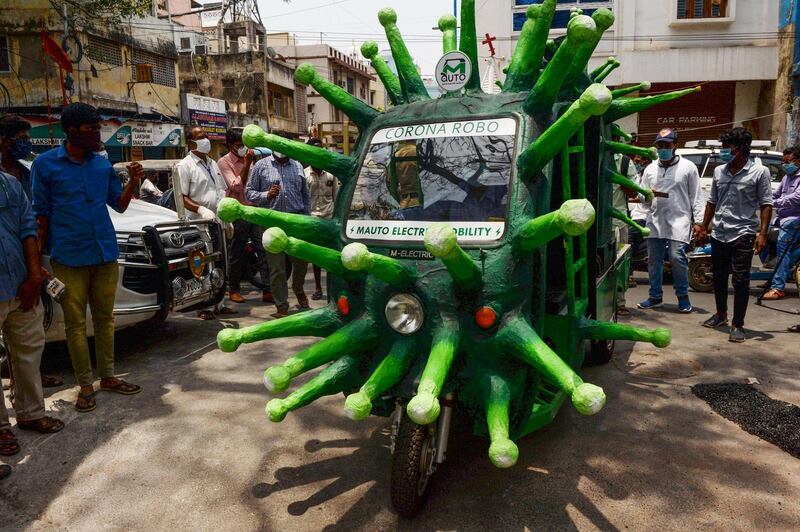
(700, 278)
(412, 465)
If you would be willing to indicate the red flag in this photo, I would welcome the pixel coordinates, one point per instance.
(52, 49)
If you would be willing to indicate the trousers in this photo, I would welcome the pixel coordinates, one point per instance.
(789, 235)
(242, 231)
(656, 248)
(23, 333)
(277, 278)
(97, 286)
(732, 259)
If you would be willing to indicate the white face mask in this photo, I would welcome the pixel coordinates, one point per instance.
(278, 155)
(103, 154)
(241, 152)
(203, 145)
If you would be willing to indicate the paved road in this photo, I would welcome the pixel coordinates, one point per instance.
(195, 450)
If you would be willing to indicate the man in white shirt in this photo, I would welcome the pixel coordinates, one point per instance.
(148, 191)
(671, 220)
(202, 186)
(322, 187)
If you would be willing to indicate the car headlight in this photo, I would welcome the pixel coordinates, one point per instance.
(217, 278)
(178, 287)
(404, 313)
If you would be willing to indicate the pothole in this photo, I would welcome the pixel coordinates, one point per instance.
(663, 364)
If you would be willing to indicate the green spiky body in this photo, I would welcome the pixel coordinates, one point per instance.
(539, 279)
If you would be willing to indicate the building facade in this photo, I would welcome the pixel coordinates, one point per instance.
(726, 46)
(128, 72)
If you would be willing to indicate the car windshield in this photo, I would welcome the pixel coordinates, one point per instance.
(413, 176)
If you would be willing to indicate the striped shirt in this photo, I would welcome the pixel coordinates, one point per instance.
(293, 197)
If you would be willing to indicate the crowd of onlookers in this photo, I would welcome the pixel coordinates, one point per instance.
(735, 218)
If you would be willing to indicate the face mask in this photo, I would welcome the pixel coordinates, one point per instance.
(88, 140)
(665, 154)
(103, 154)
(789, 168)
(241, 152)
(20, 149)
(203, 145)
(279, 155)
(726, 155)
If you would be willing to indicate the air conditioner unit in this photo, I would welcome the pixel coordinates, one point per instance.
(200, 49)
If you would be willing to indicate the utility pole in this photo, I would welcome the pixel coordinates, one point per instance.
(787, 86)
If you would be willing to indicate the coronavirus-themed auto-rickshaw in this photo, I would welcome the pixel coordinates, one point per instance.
(471, 261)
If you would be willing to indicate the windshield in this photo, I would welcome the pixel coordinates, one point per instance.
(413, 176)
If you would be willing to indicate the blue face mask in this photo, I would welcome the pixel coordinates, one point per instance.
(789, 168)
(726, 155)
(20, 149)
(665, 154)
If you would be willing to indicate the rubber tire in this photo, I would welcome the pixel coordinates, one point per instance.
(406, 468)
(159, 317)
(700, 275)
(601, 351)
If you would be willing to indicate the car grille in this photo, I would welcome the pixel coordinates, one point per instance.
(141, 280)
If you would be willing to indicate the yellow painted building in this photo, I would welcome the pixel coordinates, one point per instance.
(111, 67)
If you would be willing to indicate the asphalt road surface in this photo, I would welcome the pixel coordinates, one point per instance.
(195, 450)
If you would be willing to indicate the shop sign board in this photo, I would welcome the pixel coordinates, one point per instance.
(209, 113)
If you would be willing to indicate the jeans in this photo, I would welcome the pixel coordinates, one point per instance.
(243, 230)
(23, 333)
(732, 258)
(656, 248)
(97, 286)
(789, 234)
(278, 281)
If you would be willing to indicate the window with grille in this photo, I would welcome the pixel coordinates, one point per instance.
(186, 43)
(104, 51)
(5, 57)
(351, 85)
(163, 67)
(562, 14)
(702, 9)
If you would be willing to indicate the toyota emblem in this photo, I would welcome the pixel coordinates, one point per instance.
(176, 239)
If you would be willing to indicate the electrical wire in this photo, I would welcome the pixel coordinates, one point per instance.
(165, 104)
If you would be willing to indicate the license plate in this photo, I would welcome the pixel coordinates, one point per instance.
(196, 287)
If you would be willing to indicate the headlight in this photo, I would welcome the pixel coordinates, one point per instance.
(217, 278)
(404, 313)
(178, 287)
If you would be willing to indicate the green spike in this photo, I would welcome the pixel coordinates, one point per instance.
(469, 43)
(359, 112)
(309, 228)
(619, 93)
(441, 241)
(341, 166)
(354, 338)
(603, 330)
(527, 58)
(413, 89)
(594, 101)
(339, 376)
(624, 218)
(630, 150)
(607, 71)
(502, 452)
(603, 19)
(356, 257)
(318, 322)
(621, 180)
(392, 84)
(275, 240)
(447, 25)
(597, 71)
(628, 106)
(616, 130)
(518, 338)
(424, 408)
(388, 373)
(573, 218)
(544, 93)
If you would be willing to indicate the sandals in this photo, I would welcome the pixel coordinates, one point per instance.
(88, 400)
(51, 381)
(125, 388)
(794, 329)
(206, 315)
(43, 425)
(773, 295)
(8, 444)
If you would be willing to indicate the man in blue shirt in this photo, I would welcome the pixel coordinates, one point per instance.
(71, 188)
(21, 313)
(279, 183)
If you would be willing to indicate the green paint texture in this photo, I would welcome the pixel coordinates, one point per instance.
(619, 179)
(625, 91)
(610, 67)
(624, 218)
(632, 151)
(511, 370)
